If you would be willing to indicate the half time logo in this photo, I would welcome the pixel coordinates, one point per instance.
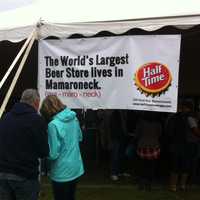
(153, 79)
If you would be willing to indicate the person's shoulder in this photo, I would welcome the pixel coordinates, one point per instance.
(37, 119)
(54, 122)
(36, 116)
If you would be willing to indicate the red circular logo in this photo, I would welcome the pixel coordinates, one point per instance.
(153, 77)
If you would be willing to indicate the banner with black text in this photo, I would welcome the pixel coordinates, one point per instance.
(121, 72)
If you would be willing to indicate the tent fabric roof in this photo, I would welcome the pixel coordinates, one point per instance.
(116, 27)
(63, 18)
(16, 34)
(46, 29)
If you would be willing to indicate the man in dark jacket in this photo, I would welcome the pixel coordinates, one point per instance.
(23, 140)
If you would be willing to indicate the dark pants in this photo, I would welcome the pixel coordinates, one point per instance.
(19, 190)
(146, 171)
(117, 157)
(64, 190)
(182, 160)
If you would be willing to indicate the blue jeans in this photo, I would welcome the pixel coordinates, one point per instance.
(19, 190)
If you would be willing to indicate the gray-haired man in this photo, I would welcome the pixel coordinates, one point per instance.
(23, 139)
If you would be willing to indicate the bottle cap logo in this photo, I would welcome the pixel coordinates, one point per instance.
(153, 78)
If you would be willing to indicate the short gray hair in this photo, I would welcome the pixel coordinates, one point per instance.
(29, 96)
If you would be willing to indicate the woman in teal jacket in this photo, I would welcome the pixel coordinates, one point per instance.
(64, 135)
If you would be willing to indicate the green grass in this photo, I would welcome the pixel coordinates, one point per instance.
(96, 185)
(122, 191)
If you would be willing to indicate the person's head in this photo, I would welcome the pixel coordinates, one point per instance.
(31, 97)
(51, 105)
(187, 105)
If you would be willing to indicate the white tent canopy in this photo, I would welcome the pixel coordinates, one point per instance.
(62, 18)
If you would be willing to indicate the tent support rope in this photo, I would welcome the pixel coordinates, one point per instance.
(16, 59)
(8, 94)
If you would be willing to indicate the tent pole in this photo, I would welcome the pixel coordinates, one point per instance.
(8, 94)
(16, 59)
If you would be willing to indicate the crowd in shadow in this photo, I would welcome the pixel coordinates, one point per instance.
(156, 146)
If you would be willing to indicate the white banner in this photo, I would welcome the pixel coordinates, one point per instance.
(122, 72)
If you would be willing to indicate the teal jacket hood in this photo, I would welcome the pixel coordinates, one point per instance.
(66, 115)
